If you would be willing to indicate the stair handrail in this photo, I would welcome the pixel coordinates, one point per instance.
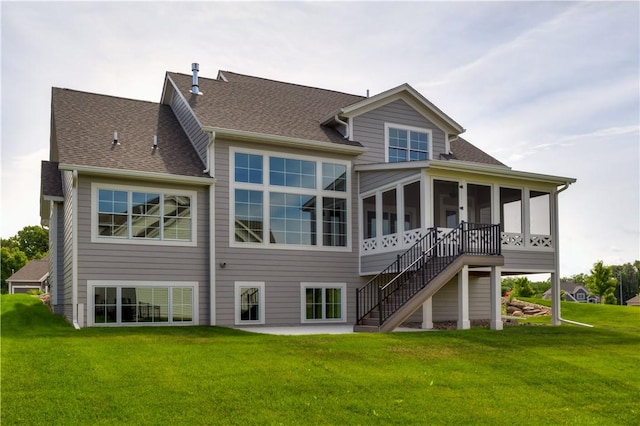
(393, 268)
(444, 250)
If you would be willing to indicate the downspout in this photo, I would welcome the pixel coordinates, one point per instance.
(212, 137)
(448, 147)
(344, 123)
(556, 317)
(74, 249)
(212, 231)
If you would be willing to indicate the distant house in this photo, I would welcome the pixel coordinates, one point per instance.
(573, 293)
(634, 301)
(241, 201)
(32, 276)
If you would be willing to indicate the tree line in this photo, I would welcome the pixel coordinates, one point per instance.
(613, 284)
(31, 242)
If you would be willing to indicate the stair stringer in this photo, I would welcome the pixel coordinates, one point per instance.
(406, 310)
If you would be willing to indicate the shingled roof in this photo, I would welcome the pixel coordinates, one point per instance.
(259, 105)
(50, 180)
(84, 125)
(34, 271)
(254, 104)
(464, 151)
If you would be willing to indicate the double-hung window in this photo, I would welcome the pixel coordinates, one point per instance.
(288, 201)
(405, 143)
(143, 215)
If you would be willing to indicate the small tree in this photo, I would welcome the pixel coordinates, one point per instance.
(12, 259)
(600, 281)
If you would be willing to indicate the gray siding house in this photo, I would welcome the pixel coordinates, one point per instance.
(240, 201)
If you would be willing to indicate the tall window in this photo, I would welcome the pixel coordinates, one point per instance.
(249, 305)
(323, 302)
(407, 143)
(289, 201)
(137, 215)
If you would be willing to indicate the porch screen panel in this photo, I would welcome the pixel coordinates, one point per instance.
(389, 213)
(369, 217)
(412, 202)
(479, 203)
(540, 213)
(511, 210)
(445, 204)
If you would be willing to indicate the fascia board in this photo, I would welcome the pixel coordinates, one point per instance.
(242, 135)
(392, 94)
(44, 277)
(150, 176)
(501, 171)
(464, 166)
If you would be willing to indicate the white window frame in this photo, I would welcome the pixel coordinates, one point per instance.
(119, 284)
(266, 189)
(303, 302)
(97, 238)
(388, 126)
(238, 286)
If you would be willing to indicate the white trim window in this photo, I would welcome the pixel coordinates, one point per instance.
(323, 302)
(286, 201)
(249, 302)
(114, 303)
(406, 143)
(143, 215)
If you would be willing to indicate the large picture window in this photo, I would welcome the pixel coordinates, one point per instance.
(292, 201)
(122, 214)
(323, 302)
(140, 303)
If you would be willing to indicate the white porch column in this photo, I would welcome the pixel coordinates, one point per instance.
(463, 299)
(555, 299)
(427, 314)
(496, 298)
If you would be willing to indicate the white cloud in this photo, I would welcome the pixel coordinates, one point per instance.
(549, 87)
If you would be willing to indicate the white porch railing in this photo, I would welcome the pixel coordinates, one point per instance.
(402, 241)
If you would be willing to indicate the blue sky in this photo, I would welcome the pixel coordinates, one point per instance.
(546, 87)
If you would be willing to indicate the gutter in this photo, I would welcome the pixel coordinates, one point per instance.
(246, 136)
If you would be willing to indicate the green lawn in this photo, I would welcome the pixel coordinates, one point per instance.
(52, 374)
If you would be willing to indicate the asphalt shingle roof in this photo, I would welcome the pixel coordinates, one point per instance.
(84, 125)
(33, 271)
(464, 151)
(259, 105)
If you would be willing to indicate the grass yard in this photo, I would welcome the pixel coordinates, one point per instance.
(52, 374)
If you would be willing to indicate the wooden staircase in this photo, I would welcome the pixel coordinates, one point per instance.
(392, 296)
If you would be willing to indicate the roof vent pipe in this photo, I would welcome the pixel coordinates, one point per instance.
(194, 85)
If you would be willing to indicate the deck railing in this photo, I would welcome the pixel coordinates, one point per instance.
(414, 269)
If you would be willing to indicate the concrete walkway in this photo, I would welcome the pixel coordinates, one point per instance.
(303, 330)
